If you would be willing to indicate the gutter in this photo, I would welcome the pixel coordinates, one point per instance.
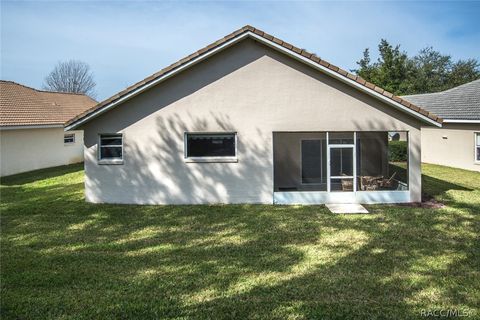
(460, 121)
(35, 126)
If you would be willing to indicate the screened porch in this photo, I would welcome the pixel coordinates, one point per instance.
(341, 163)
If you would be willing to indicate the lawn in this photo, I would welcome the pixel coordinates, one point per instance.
(62, 258)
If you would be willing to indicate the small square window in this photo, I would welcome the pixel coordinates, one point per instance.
(110, 148)
(69, 138)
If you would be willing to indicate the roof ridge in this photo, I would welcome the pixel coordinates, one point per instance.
(444, 91)
(276, 41)
(423, 94)
(22, 105)
(461, 86)
(43, 91)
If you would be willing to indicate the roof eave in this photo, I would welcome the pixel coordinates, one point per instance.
(460, 121)
(436, 121)
(351, 82)
(30, 126)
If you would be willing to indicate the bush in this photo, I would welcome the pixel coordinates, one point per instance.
(397, 151)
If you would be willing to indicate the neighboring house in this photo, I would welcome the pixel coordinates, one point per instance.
(252, 119)
(457, 143)
(31, 128)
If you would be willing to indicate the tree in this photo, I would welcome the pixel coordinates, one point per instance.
(464, 71)
(431, 71)
(428, 71)
(391, 70)
(71, 76)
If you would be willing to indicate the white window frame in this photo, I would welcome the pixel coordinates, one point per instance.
(65, 135)
(118, 160)
(476, 136)
(209, 159)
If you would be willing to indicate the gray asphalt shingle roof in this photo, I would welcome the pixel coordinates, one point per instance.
(459, 103)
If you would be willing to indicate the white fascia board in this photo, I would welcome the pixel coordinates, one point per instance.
(346, 80)
(156, 81)
(460, 121)
(40, 126)
(270, 44)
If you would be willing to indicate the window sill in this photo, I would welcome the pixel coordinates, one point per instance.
(112, 161)
(211, 159)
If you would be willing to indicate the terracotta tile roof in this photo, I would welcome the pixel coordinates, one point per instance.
(266, 36)
(24, 106)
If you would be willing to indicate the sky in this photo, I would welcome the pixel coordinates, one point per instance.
(126, 41)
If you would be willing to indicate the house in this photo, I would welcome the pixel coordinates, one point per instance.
(457, 143)
(252, 119)
(31, 128)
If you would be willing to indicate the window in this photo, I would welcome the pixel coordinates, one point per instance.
(69, 138)
(110, 148)
(477, 146)
(213, 146)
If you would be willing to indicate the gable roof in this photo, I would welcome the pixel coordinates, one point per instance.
(459, 104)
(271, 41)
(24, 106)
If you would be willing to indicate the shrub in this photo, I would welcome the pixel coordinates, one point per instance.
(397, 151)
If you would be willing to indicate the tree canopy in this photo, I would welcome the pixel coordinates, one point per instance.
(428, 71)
(71, 76)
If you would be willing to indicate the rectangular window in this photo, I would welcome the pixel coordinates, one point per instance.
(110, 147)
(69, 138)
(477, 146)
(210, 146)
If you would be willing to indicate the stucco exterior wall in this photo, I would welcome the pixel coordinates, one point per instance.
(249, 89)
(24, 150)
(452, 145)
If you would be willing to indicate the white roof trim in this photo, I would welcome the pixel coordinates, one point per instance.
(39, 126)
(270, 44)
(460, 121)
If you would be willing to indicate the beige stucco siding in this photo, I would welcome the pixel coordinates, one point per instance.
(452, 145)
(249, 89)
(24, 150)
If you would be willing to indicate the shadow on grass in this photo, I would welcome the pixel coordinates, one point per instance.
(42, 174)
(436, 187)
(62, 257)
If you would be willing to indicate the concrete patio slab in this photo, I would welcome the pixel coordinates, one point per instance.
(346, 208)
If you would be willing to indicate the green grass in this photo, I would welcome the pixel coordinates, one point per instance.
(62, 258)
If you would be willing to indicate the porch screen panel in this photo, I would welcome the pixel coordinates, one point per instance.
(340, 138)
(382, 161)
(313, 161)
(341, 160)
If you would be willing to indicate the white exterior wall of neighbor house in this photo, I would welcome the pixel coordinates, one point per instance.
(452, 145)
(24, 150)
(249, 89)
